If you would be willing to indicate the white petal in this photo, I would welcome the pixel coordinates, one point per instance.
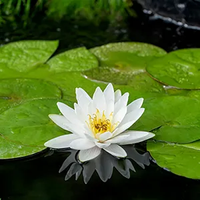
(69, 113)
(133, 116)
(82, 97)
(135, 137)
(117, 139)
(122, 102)
(105, 136)
(135, 105)
(119, 116)
(79, 112)
(128, 121)
(109, 92)
(81, 144)
(102, 145)
(91, 110)
(118, 94)
(89, 154)
(110, 98)
(99, 100)
(60, 121)
(62, 141)
(66, 125)
(116, 150)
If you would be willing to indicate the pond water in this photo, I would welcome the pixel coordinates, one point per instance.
(37, 177)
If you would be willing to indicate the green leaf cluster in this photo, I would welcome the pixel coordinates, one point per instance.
(33, 79)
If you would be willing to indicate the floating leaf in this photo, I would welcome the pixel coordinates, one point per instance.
(138, 85)
(27, 127)
(79, 59)
(179, 68)
(124, 64)
(24, 55)
(172, 118)
(129, 55)
(16, 91)
(181, 159)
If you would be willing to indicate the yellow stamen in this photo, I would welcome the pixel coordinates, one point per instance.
(100, 124)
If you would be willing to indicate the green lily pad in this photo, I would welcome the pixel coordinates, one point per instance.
(79, 59)
(16, 91)
(181, 159)
(172, 118)
(124, 64)
(127, 55)
(24, 55)
(179, 68)
(63, 70)
(138, 85)
(27, 127)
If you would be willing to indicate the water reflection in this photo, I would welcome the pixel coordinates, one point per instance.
(104, 164)
(39, 179)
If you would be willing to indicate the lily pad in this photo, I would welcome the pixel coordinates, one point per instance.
(16, 91)
(127, 55)
(125, 64)
(79, 59)
(181, 159)
(179, 68)
(172, 118)
(138, 85)
(24, 55)
(27, 127)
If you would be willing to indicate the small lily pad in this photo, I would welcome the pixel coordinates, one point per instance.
(181, 159)
(179, 68)
(24, 55)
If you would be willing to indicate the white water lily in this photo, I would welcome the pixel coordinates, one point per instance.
(99, 123)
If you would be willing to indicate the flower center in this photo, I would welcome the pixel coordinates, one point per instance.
(100, 124)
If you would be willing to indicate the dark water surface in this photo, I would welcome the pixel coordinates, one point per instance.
(37, 178)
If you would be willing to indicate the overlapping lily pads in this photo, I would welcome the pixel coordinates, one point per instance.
(32, 81)
(125, 64)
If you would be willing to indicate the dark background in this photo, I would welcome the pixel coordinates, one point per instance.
(37, 178)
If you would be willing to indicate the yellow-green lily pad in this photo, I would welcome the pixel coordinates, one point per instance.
(24, 55)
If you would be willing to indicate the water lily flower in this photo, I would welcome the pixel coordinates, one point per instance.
(97, 123)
